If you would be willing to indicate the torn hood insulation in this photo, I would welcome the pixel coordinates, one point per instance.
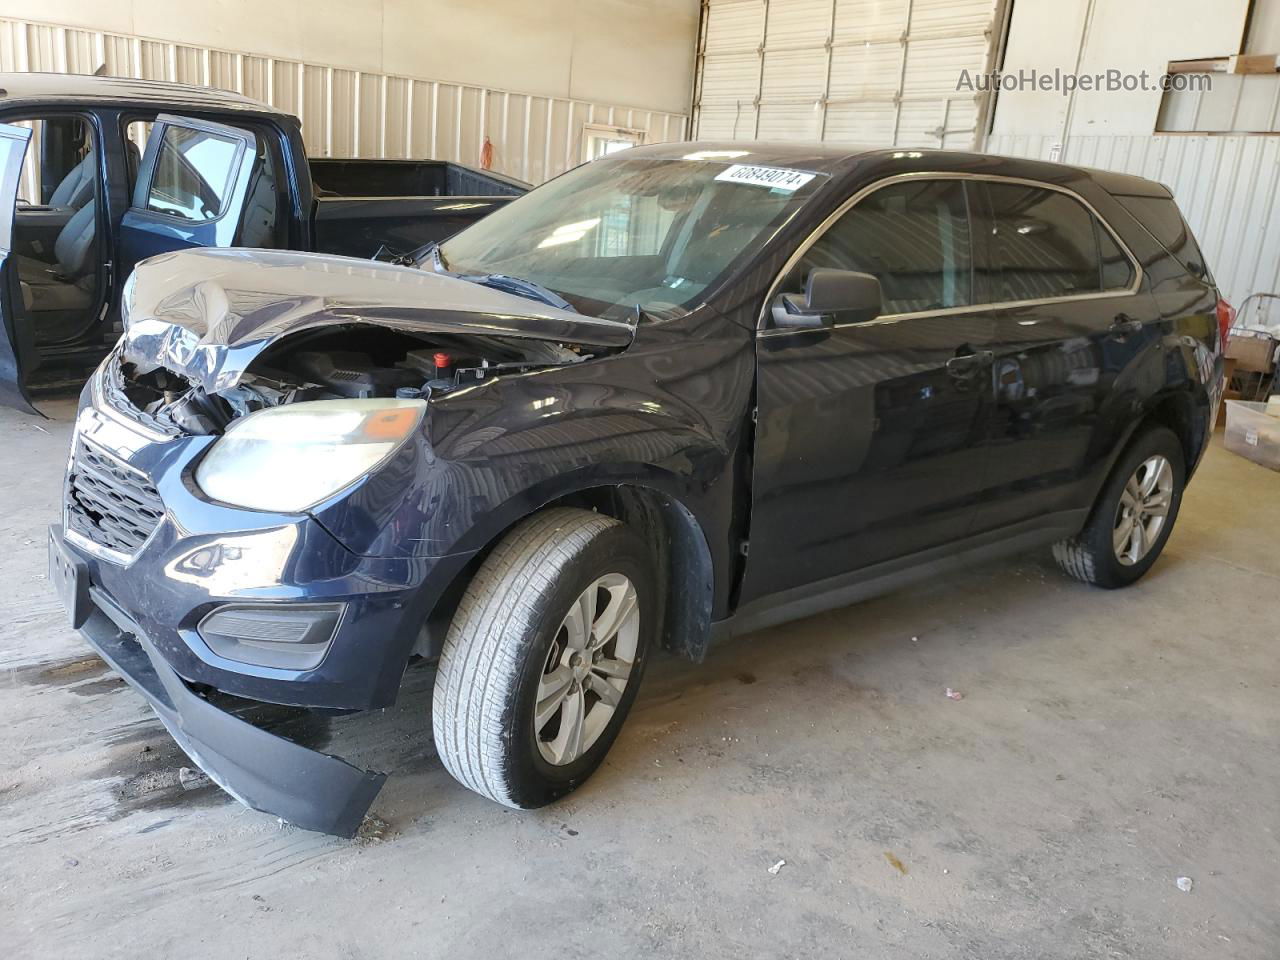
(206, 314)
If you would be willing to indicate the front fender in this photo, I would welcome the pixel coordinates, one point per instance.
(492, 453)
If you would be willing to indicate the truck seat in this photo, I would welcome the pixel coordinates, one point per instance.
(76, 188)
(69, 283)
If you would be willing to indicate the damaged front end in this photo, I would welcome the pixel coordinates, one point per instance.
(212, 335)
(355, 362)
(249, 390)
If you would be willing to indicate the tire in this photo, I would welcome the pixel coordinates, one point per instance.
(513, 637)
(1105, 552)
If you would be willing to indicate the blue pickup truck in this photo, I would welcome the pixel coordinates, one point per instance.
(100, 173)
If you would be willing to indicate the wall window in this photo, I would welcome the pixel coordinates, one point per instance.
(1046, 244)
(913, 236)
(192, 175)
(600, 141)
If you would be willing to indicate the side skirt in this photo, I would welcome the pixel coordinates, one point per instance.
(849, 588)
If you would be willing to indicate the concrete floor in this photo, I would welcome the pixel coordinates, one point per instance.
(1106, 744)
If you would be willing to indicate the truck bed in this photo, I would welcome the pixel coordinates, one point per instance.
(408, 178)
(364, 205)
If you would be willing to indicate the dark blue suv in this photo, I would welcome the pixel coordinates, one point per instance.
(681, 392)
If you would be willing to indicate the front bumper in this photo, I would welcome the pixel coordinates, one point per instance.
(309, 789)
(203, 556)
(142, 613)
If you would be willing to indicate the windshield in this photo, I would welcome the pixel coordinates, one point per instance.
(624, 233)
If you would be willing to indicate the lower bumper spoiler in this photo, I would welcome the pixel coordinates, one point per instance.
(307, 788)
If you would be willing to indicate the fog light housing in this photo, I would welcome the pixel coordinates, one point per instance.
(293, 636)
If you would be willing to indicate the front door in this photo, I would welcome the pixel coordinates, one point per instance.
(869, 434)
(191, 190)
(17, 347)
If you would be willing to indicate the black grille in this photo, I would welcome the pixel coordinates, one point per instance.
(109, 503)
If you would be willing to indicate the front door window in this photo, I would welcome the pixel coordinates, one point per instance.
(913, 236)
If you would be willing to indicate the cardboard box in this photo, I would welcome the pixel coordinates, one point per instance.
(1255, 354)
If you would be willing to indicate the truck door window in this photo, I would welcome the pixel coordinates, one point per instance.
(55, 172)
(913, 236)
(259, 226)
(193, 174)
(1046, 245)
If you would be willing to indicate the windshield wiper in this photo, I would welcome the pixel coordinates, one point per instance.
(428, 256)
(385, 254)
(520, 287)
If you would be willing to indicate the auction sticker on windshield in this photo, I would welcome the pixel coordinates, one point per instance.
(778, 178)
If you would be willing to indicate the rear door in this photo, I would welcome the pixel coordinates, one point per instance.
(1070, 325)
(191, 189)
(869, 434)
(17, 347)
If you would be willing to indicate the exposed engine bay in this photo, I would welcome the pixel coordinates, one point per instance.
(359, 362)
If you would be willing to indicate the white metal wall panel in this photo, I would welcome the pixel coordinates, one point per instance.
(866, 71)
(349, 113)
(1228, 188)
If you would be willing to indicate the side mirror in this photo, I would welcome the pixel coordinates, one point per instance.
(855, 296)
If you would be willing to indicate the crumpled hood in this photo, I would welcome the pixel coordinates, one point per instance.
(206, 314)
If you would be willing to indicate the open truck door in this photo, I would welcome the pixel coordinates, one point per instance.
(191, 190)
(17, 346)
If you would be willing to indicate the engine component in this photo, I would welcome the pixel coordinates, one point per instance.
(354, 375)
(430, 364)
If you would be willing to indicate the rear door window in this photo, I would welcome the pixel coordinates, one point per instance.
(1117, 270)
(193, 174)
(1045, 245)
(912, 236)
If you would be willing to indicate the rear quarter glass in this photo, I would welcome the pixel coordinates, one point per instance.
(1164, 221)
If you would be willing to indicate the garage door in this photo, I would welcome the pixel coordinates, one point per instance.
(881, 72)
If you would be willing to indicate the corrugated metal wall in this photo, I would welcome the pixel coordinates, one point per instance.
(880, 72)
(349, 113)
(1227, 186)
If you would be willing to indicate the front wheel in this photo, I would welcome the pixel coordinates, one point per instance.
(1133, 516)
(543, 657)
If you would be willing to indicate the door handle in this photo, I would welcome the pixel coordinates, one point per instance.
(1122, 326)
(968, 365)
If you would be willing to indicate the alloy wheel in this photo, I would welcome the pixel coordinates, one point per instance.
(1143, 509)
(587, 669)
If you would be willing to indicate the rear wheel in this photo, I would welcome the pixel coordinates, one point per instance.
(544, 656)
(1133, 516)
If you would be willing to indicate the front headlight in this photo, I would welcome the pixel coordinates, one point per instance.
(286, 459)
